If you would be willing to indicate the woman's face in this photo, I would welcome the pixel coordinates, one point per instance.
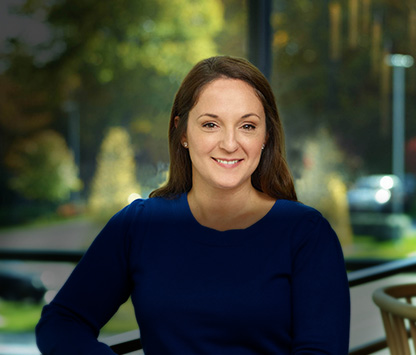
(225, 134)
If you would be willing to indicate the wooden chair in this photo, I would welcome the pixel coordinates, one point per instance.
(399, 316)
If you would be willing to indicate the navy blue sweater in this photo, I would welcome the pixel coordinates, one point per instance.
(277, 287)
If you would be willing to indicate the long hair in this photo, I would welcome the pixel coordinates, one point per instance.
(272, 175)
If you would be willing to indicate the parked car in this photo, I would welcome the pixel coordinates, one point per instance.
(375, 193)
(18, 286)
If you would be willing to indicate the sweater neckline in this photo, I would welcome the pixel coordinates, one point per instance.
(229, 237)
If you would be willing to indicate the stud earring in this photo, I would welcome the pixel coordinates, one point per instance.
(262, 147)
(185, 144)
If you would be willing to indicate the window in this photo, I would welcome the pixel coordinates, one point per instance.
(86, 90)
(342, 98)
(85, 95)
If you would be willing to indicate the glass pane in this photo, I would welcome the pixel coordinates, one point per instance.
(342, 98)
(348, 108)
(24, 288)
(85, 96)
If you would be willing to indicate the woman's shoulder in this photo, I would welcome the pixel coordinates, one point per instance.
(295, 210)
(137, 217)
(299, 218)
(153, 207)
(152, 203)
(305, 223)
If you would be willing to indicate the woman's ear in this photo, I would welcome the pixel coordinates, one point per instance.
(176, 121)
(183, 138)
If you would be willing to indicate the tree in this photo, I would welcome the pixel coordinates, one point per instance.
(329, 71)
(322, 184)
(120, 61)
(115, 176)
(43, 167)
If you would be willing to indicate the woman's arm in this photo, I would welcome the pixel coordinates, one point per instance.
(321, 300)
(99, 284)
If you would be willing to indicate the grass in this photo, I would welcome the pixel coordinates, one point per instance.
(18, 316)
(23, 317)
(123, 321)
(368, 247)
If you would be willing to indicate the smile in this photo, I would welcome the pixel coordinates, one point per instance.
(227, 162)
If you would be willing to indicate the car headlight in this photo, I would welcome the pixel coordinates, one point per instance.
(387, 182)
(383, 196)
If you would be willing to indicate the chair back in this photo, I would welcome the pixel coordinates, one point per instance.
(399, 316)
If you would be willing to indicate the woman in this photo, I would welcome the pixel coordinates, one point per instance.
(222, 259)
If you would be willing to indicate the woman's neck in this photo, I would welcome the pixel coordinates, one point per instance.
(228, 209)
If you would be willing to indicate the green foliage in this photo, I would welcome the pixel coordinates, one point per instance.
(115, 176)
(19, 316)
(128, 34)
(23, 317)
(350, 94)
(44, 168)
(124, 320)
(368, 247)
(120, 61)
(131, 54)
(232, 40)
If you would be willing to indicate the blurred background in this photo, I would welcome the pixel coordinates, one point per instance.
(85, 94)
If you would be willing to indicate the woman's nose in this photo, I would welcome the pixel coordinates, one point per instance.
(229, 141)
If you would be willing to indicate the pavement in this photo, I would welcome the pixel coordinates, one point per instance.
(69, 235)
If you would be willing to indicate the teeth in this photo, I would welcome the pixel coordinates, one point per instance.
(229, 162)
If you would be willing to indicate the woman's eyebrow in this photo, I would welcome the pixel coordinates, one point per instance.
(250, 114)
(208, 114)
(216, 116)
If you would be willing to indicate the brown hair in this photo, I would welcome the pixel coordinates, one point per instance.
(272, 175)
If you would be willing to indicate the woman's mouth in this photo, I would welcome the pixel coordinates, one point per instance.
(227, 162)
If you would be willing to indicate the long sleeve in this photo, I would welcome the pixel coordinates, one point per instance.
(321, 301)
(99, 284)
(277, 287)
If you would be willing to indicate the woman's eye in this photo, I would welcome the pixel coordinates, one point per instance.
(209, 125)
(249, 127)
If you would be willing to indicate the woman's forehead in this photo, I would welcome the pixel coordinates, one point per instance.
(225, 92)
